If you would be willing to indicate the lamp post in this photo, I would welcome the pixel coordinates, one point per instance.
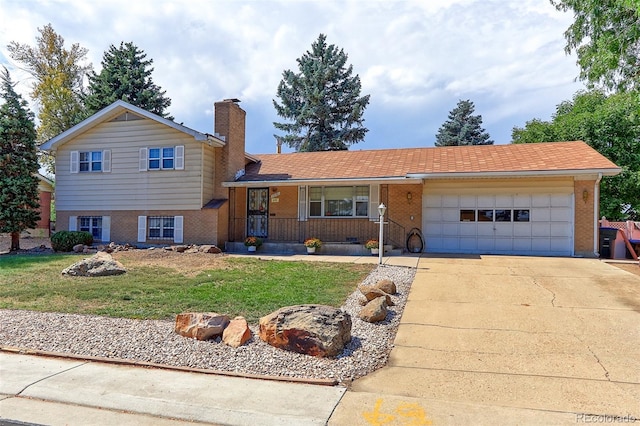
(381, 209)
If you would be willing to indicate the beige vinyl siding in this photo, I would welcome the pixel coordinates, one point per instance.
(560, 185)
(125, 187)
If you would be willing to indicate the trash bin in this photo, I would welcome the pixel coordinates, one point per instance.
(607, 242)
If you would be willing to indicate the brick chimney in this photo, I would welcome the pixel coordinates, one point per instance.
(229, 121)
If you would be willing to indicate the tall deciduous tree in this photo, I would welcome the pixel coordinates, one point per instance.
(18, 164)
(58, 81)
(322, 101)
(462, 127)
(609, 124)
(126, 75)
(606, 37)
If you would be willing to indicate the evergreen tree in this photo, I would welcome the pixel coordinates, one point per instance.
(462, 128)
(19, 196)
(126, 75)
(322, 101)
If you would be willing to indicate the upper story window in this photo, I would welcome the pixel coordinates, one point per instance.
(90, 161)
(338, 201)
(162, 158)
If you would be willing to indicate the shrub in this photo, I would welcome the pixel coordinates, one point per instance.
(65, 240)
(253, 241)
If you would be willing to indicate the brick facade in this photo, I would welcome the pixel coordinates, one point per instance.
(584, 217)
(199, 227)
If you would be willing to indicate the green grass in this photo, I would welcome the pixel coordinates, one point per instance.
(248, 287)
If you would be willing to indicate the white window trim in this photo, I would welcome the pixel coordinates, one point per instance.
(178, 158)
(74, 162)
(322, 202)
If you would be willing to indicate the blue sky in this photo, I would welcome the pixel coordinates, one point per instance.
(416, 58)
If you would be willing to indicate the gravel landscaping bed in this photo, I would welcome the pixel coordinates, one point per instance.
(156, 342)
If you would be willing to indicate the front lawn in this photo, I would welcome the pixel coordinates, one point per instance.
(233, 286)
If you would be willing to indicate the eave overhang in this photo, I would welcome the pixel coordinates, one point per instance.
(115, 109)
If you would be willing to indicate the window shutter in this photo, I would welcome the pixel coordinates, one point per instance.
(179, 159)
(106, 228)
(142, 229)
(106, 160)
(178, 234)
(143, 160)
(74, 162)
(374, 201)
(73, 223)
(302, 204)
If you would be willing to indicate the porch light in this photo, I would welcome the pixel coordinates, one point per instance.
(381, 209)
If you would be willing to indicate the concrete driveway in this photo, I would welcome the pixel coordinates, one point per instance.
(508, 340)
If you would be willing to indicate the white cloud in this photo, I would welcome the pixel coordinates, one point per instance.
(416, 58)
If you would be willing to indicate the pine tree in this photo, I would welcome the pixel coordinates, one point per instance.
(463, 128)
(19, 196)
(126, 75)
(322, 101)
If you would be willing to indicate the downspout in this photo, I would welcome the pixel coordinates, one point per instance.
(596, 199)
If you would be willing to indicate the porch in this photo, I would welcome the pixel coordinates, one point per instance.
(339, 236)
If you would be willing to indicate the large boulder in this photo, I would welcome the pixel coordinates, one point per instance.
(387, 286)
(237, 332)
(201, 325)
(99, 265)
(374, 311)
(316, 330)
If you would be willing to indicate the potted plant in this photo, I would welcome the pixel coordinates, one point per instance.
(252, 243)
(312, 244)
(372, 245)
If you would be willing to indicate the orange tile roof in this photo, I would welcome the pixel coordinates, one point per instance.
(388, 163)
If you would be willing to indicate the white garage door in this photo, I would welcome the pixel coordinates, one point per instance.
(529, 224)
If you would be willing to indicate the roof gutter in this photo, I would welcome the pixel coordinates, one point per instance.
(525, 173)
(338, 181)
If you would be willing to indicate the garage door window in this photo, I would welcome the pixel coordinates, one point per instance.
(485, 215)
(521, 215)
(497, 215)
(467, 215)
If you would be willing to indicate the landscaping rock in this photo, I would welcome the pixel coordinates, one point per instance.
(387, 286)
(210, 249)
(316, 330)
(78, 248)
(371, 292)
(201, 326)
(237, 332)
(99, 265)
(374, 311)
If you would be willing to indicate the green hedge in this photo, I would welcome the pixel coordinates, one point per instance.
(65, 240)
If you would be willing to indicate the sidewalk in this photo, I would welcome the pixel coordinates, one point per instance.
(56, 391)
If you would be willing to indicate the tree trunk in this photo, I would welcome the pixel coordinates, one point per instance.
(15, 241)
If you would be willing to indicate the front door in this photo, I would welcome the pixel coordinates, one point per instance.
(257, 212)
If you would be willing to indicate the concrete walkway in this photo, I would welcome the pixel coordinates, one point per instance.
(508, 340)
(483, 340)
(55, 391)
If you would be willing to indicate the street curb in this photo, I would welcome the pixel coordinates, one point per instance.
(133, 363)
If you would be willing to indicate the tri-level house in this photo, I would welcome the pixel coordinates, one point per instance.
(127, 175)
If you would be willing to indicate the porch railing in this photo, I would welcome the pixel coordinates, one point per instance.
(348, 230)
